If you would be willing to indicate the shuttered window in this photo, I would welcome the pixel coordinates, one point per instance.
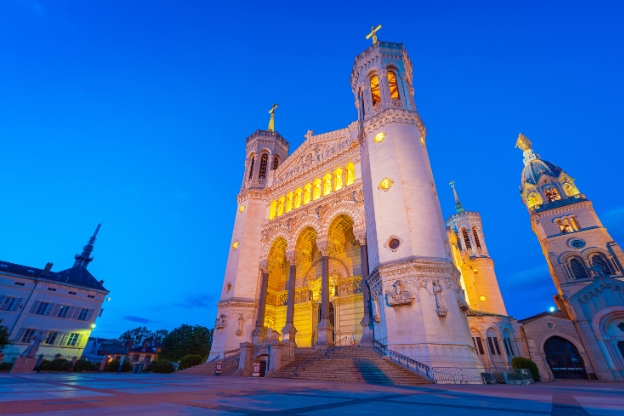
(28, 334)
(602, 262)
(375, 90)
(394, 88)
(496, 344)
(263, 165)
(466, 238)
(491, 345)
(475, 235)
(251, 168)
(480, 345)
(578, 269)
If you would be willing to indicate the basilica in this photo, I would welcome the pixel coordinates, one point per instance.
(342, 242)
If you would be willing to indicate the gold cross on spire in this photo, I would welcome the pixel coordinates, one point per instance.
(373, 34)
(272, 120)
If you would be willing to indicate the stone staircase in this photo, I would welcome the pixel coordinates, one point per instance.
(230, 365)
(349, 365)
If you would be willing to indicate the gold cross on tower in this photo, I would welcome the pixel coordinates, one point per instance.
(272, 120)
(373, 34)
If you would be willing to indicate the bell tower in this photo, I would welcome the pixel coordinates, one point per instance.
(417, 300)
(577, 247)
(238, 305)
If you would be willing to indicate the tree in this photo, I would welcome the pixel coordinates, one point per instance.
(160, 335)
(137, 335)
(185, 340)
(4, 336)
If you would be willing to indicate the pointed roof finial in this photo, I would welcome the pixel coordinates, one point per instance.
(272, 120)
(523, 142)
(458, 205)
(85, 258)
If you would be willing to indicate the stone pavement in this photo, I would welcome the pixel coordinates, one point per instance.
(160, 394)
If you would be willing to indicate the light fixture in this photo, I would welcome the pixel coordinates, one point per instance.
(108, 300)
(242, 208)
(552, 309)
(379, 137)
(482, 298)
(385, 184)
(93, 325)
(235, 245)
(422, 141)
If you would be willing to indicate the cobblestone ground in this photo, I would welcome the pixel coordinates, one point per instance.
(113, 394)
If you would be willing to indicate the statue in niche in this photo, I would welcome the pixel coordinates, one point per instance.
(399, 295)
(32, 349)
(436, 288)
(241, 321)
(376, 316)
(461, 299)
(220, 322)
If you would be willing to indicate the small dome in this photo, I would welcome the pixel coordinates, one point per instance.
(536, 168)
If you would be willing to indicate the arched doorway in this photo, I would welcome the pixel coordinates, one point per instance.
(564, 359)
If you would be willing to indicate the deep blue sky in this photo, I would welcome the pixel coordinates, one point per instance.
(136, 113)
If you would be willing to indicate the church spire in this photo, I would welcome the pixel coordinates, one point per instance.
(85, 258)
(458, 205)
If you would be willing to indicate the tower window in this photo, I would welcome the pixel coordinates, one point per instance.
(475, 235)
(251, 168)
(466, 238)
(534, 199)
(567, 225)
(601, 261)
(394, 89)
(552, 194)
(578, 269)
(570, 189)
(275, 162)
(263, 165)
(375, 90)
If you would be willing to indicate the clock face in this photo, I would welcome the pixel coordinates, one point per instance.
(577, 243)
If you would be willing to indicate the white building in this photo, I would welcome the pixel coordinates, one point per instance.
(62, 305)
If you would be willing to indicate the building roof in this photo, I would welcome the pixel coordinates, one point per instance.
(151, 349)
(557, 314)
(474, 312)
(534, 169)
(75, 276)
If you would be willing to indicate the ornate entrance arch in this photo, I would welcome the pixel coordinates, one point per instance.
(564, 359)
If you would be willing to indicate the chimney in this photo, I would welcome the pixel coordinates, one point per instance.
(47, 268)
(102, 282)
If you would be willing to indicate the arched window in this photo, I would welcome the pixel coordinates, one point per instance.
(263, 165)
(570, 189)
(307, 193)
(601, 260)
(289, 202)
(466, 238)
(350, 174)
(552, 194)
(375, 90)
(253, 162)
(578, 269)
(394, 88)
(338, 179)
(534, 199)
(297, 201)
(273, 210)
(327, 184)
(316, 191)
(275, 162)
(280, 205)
(475, 236)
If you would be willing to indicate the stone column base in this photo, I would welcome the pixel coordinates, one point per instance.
(258, 335)
(288, 334)
(24, 365)
(325, 332)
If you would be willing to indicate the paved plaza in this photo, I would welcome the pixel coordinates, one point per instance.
(113, 394)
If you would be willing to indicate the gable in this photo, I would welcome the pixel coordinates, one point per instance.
(601, 292)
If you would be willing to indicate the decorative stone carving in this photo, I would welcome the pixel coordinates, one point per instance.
(376, 316)
(271, 336)
(461, 299)
(220, 322)
(241, 321)
(399, 295)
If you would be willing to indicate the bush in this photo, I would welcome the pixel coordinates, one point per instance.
(189, 361)
(57, 365)
(6, 366)
(160, 366)
(95, 367)
(67, 366)
(521, 362)
(44, 365)
(113, 366)
(82, 365)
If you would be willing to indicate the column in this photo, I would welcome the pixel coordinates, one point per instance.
(324, 328)
(367, 321)
(289, 331)
(260, 331)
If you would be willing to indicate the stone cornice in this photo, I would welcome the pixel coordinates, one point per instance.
(238, 303)
(261, 194)
(414, 266)
(561, 210)
(394, 115)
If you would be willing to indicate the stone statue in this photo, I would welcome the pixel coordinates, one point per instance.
(220, 322)
(436, 288)
(241, 321)
(271, 336)
(32, 349)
